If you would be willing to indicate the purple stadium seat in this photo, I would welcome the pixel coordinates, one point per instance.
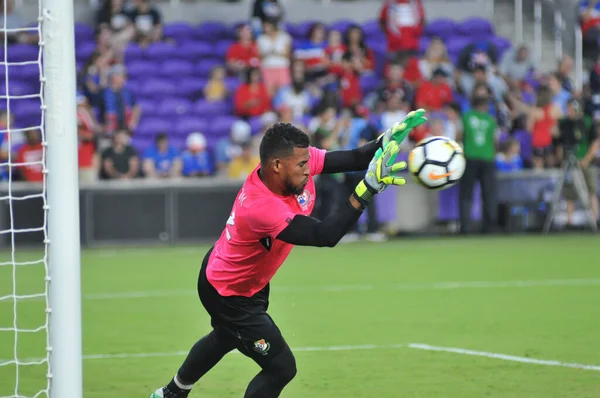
(255, 124)
(441, 27)
(502, 44)
(203, 68)
(423, 44)
(341, 25)
(140, 144)
(27, 109)
(176, 68)
(149, 107)
(142, 69)
(84, 32)
(173, 107)
(221, 126)
(377, 45)
(194, 50)
(371, 28)
(456, 44)
(30, 73)
(134, 85)
(16, 88)
(212, 109)
(161, 51)
(190, 87)
(524, 139)
(232, 83)
(189, 124)
(151, 126)
(133, 52)
(178, 30)
(213, 31)
(369, 83)
(221, 48)
(83, 51)
(301, 29)
(158, 88)
(22, 53)
(476, 27)
(178, 141)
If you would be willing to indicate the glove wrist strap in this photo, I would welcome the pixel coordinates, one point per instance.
(363, 193)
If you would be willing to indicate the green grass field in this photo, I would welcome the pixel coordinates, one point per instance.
(352, 314)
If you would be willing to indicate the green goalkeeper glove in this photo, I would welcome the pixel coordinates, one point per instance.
(401, 129)
(380, 174)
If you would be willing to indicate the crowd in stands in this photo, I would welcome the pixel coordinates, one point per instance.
(343, 83)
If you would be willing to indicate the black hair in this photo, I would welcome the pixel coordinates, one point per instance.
(347, 56)
(280, 140)
(248, 74)
(314, 27)
(160, 137)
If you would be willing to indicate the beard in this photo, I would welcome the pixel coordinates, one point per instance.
(292, 189)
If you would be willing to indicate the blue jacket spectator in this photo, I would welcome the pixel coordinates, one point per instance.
(162, 160)
(196, 159)
(508, 159)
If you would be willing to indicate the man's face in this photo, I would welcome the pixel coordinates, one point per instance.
(294, 171)
(117, 80)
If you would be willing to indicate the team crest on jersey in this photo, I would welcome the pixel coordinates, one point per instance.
(261, 346)
(304, 199)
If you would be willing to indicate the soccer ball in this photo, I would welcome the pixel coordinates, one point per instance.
(436, 162)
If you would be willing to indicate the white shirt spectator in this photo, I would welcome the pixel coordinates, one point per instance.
(271, 49)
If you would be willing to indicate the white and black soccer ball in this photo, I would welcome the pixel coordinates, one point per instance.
(437, 162)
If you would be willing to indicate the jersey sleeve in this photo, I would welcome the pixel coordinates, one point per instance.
(269, 217)
(317, 160)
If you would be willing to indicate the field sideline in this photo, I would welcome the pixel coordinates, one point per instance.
(494, 317)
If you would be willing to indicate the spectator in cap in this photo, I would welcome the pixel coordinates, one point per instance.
(229, 147)
(196, 159)
(120, 108)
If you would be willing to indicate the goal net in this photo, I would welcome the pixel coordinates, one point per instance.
(32, 55)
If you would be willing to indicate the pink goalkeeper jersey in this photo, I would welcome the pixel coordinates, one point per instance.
(247, 255)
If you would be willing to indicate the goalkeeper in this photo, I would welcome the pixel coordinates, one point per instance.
(270, 215)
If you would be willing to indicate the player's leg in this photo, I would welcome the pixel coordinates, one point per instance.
(466, 186)
(262, 341)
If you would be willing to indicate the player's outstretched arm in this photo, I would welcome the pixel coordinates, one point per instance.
(358, 159)
(308, 231)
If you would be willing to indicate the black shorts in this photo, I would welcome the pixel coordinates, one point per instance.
(243, 319)
(542, 152)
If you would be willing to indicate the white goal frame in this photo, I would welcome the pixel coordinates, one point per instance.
(64, 273)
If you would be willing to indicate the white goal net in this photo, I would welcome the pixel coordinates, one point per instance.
(27, 309)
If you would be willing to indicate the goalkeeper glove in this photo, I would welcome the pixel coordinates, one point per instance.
(380, 174)
(400, 130)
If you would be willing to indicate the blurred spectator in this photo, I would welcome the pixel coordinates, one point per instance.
(394, 84)
(584, 130)
(243, 53)
(362, 56)
(112, 14)
(479, 142)
(516, 64)
(435, 94)
(229, 147)
(120, 108)
(242, 165)
(312, 52)
(481, 75)
(196, 159)
(274, 47)
(120, 161)
(9, 19)
(215, 89)
(349, 83)
(146, 21)
(589, 11)
(93, 77)
(560, 96)
(453, 120)
(435, 57)
(594, 83)
(296, 97)
(162, 160)
(87, 128)
(266, 11)
(437, 127)
(565, 69)
(335, 47)
(543, 126)
(479, 53)
(396, 109)
(31, 152)
(252, 98)
(403, 22)
(87, 124)
(508, 159)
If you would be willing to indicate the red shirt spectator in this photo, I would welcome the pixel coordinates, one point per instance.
(402, 21)
(86, 152)
(349, 81)
(412, 73)
(335, 47)
(252, 98)
(243, 53)
(435, 94)
(31, 152)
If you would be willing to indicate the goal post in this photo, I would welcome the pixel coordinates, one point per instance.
(65, 370)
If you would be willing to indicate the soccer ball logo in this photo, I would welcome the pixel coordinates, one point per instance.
(437, 163)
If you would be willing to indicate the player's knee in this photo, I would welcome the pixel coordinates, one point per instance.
(283, 367)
